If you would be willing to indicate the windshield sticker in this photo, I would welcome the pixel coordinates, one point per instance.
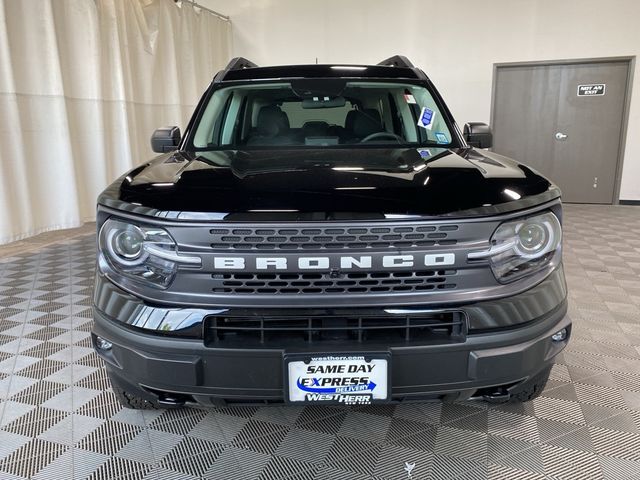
(441, 138)
(410, 98)
(424, 152)
(426, 118)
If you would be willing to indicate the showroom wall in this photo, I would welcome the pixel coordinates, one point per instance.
(83, 84)
(456, 43)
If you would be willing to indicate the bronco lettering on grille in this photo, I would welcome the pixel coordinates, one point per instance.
(364, 262)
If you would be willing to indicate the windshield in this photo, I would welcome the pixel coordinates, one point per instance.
(321, 113)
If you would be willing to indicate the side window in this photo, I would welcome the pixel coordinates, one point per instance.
(222, 119)
(210, 119)
(242, 127)
(232, 122)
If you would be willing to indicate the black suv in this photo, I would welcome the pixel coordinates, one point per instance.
(327, 234)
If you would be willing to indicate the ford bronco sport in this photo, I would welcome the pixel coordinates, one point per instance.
(326, 234)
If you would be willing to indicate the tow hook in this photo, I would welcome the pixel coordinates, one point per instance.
(497, 396)
(169, 401)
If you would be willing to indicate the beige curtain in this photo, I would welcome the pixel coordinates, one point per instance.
(83, 84)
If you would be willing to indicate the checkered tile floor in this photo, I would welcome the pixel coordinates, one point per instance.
(60, 420)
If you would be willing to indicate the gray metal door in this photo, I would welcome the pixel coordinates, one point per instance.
(565, 121)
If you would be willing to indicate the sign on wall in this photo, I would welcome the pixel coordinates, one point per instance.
(591, 89)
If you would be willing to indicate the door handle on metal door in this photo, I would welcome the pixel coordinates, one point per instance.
(561, 136)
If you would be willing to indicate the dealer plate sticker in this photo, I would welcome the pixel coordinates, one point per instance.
(352, 380)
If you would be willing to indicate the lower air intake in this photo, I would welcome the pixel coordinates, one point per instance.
(280, 331)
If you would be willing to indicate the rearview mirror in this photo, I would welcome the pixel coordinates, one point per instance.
(318, 87)
(478, 135)
(165, 139)
(323, 102)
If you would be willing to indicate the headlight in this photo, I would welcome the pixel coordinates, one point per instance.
(128, 243)
(142, 253)
(522, 247)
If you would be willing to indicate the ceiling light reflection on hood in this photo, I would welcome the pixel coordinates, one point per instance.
(347, 169)
(510, 193)
(347, 67)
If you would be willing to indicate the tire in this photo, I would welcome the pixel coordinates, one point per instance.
(531, 389)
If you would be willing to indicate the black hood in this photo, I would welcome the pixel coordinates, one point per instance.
(319, 184)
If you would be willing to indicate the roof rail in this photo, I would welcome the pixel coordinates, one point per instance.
(238, 63)
(397, 61)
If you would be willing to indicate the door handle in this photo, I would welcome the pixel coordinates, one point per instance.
(561, 136)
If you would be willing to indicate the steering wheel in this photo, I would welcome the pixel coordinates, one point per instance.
(377, 135)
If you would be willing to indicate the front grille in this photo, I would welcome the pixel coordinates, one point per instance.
(436, 327)
(310, 264)
(335, 238)
(328, 282)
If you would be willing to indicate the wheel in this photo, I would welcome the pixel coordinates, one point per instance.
(532, 388)
(130, 400)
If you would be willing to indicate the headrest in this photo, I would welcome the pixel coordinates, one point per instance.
(272, 121)
(367, 121)
(315, 128)
(350, 119)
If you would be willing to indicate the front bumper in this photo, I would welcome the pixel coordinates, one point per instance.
(155, 366)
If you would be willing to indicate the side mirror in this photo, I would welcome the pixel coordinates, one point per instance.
(478, 135)
(165, 139)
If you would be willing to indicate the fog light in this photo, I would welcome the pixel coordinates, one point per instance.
(103, 344)
(559, 336)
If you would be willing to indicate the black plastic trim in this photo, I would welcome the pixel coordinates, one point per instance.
(397, 61)
(483, 315)
(188, 367)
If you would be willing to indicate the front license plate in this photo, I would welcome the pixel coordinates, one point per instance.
(337, 378)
